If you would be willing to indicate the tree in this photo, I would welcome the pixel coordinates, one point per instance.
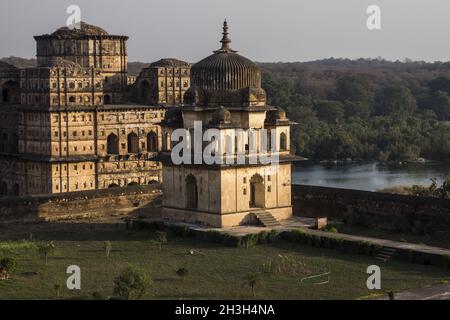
(439, 102)
(330, 111)
(354, 87)
(252, 280)
(132, 283)
(107, 246)
(395, 99)
(160, 238)
(57, 288)
(46, 250)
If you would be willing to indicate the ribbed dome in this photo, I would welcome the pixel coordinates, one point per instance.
(225, 69)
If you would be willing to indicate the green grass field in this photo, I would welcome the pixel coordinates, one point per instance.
(215, 271)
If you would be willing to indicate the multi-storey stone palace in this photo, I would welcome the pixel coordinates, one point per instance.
(77, 121)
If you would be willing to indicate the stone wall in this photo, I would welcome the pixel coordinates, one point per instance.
(374, 209)
(115, 201)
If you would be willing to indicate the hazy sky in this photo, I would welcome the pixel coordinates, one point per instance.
(263, 30)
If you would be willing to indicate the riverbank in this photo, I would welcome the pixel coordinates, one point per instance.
(369, 176)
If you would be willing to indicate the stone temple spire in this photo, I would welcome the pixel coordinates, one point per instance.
(225, 40)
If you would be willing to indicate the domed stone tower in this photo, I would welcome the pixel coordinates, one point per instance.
(226, 78)
(93, 47)
(237, 187)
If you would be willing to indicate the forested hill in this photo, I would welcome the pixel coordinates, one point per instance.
(364, 109)
(360, 109)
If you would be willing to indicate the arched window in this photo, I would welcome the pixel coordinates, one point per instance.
(4, 143)
(153, 182)
(133, 143)
(10, 92)
(106, 99)
(72, 99)
(144, 91)
(228, 145)
(112, 144)
(152, 142)
(191, 192)
(3, 189)
(283, 139)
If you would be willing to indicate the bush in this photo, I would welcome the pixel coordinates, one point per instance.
(132, 283)
(8, 264)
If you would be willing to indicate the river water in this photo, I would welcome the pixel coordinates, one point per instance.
(368, 176)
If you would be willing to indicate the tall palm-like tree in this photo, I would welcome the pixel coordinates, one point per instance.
(252, 280)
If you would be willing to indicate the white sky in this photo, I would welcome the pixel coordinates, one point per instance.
(262, 30)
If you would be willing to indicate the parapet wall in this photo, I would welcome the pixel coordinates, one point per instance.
(374, 209)
(114, 201)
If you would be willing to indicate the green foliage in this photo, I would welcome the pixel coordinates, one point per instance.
(8, 264)
(252, 280)
(46, 250)
(350, 115)
(433, 190)
(57, 288)
(107, 246)
(160, 238)
(132, 283)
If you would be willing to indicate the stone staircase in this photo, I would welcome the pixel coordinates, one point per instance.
(385, 254)
(266, 218)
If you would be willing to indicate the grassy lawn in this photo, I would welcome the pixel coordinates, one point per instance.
(215, 271)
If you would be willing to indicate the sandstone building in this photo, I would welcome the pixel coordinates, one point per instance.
(226, 95)
(68, 124)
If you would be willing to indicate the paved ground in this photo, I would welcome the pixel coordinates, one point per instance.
(439, 292)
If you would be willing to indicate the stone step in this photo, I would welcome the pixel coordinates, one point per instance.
(266, 219)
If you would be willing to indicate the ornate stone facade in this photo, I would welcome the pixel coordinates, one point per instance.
(67, 124)
(226, 95)
(164, 82)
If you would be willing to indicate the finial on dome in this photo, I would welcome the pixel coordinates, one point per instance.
(225, 40)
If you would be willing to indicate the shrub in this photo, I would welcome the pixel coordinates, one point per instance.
(8, 264)
(160, 238)
(107, 246)
(132, 283)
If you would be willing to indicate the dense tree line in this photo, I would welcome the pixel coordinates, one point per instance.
(390, 112)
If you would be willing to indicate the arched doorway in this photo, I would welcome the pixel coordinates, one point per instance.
(191, 192)
(144, 91)
(10, 92)
(3, 189)
(152, 142)
(113, 185)
(153, 182)
(112, 144)
(257, 192)
(133, 143)
(133, 183)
